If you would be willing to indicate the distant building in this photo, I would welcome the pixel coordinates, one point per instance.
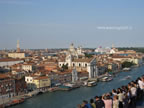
(75, 52)
(9, 62)
(106, 50)
(28, 67)
(18, 53)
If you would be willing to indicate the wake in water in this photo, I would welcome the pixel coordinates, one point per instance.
(126, 78)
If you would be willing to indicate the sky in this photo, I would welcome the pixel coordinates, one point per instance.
(58, 23)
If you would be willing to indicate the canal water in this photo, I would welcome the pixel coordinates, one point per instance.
(70, 99)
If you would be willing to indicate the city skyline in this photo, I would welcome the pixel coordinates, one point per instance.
(56, 24)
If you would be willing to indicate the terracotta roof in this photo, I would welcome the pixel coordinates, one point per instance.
(27, 64)
(83, 60)
(4, 76)
(16, 52)
(42, 77)
(121, 57)
(51, 60)
(61, 60)
(7, 60)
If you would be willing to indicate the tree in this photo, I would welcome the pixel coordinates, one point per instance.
(64, 67)
(88, 55)
(127, 64)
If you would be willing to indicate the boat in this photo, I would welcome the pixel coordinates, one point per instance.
(106, 79)
(128, 77)
(65, 88)
(15, 102)
(91, 83)
(126, 69)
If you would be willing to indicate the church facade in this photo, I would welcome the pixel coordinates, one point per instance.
(80, 64)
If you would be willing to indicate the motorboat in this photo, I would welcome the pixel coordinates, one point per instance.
(126, 69)
(106, 79)
(91, 83)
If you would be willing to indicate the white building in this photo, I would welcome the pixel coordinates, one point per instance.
(87, 64)
(74, 75)
(9, 62)
(29, 80)
(27, 67)
(17, 55)
(75, 51)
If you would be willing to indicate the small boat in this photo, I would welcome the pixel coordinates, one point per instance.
(91, 83)
(15, 102)
(106, 79)
(128, 77)
(126, 69)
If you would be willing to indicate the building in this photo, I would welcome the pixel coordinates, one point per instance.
(7, 87)
(29, 81)
(18, 73)
(83, 64)
(9, 62)
(74, 75)
(42, 82)
(75, 51)
(20, 85)
(18, 53)
(28, 67)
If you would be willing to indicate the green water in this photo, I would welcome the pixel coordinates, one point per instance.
(70, 99)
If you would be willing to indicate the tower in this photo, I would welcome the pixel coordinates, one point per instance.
(74, 75)
(18, 46)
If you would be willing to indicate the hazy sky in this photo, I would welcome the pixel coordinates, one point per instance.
(57, 23)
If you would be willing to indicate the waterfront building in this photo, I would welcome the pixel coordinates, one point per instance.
(134, 59)
(20, 85)
(81, 64)
(42, 82)
(74, 75)
(29, 81)
(7, 87)
(72, 60)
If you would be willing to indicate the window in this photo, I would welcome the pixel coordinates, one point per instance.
(85, 65)
(73, 65)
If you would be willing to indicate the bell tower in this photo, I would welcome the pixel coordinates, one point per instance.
(18, 46)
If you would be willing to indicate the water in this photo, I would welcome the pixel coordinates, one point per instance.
(70, 99)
